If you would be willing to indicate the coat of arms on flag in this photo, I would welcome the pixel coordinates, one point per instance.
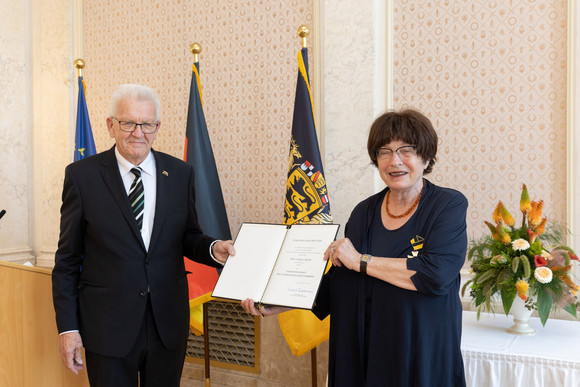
(306, 194)
(306, 202)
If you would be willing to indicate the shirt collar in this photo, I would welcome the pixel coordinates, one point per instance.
(125, 166)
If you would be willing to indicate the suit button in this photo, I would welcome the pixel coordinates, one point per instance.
(147, 261)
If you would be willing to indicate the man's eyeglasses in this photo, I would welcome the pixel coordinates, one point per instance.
(404, 152)
(146, 127)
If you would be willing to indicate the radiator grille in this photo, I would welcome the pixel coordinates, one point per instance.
(232, 336)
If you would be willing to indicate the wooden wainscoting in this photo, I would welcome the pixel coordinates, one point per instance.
(29, 349)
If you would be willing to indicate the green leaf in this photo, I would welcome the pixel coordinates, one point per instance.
(479, 298)
(472, 252)
(544, 305)
(571, 308)
(507, 299)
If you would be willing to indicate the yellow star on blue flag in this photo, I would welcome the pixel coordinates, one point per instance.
(84, 134)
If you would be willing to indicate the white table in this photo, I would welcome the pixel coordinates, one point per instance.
(493, 357)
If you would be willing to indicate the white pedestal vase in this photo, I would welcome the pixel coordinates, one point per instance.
(521, 316)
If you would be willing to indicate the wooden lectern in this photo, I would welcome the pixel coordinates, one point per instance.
(29, 353)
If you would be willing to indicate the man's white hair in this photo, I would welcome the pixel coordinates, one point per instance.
(138, 92)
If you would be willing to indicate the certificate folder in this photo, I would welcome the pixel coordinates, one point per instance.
(276, 264)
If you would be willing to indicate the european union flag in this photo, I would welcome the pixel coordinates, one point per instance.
(84, 142)
(209, 201)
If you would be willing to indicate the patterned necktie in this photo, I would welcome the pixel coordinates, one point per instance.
(137, 197)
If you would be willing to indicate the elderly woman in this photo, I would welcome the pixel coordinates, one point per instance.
(393, 290)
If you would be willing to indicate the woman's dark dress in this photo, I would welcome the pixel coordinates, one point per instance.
(382, 335)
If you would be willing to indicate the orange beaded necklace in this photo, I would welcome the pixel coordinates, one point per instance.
(415, 204)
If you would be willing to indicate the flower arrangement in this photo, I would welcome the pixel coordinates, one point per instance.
(528, 261)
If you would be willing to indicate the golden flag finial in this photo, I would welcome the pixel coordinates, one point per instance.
(80, 65)
(303, 32)
(195, 49)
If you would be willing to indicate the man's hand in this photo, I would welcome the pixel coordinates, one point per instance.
(70, 351)
(223, 249)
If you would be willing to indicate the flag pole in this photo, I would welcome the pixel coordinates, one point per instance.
(80, 65)
(303, 32)
(206, 345)
(195, 49)
(84, 142)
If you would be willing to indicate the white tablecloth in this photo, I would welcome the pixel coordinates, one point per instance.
(493, 357)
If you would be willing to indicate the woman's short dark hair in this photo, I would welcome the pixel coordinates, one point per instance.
(409, 126)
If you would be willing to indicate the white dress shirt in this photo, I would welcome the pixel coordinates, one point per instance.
(149, 178)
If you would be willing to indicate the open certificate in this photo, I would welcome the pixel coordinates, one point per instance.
(277, 264)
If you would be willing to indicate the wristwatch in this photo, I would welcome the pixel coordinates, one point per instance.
(364, 260)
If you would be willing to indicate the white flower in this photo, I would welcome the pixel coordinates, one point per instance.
(520, 244)
(543, 274)
(546, 255)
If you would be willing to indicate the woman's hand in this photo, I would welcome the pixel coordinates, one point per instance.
(392, 270)
(342, 252)
(264, 310)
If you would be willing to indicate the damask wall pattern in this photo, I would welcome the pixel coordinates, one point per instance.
(248, 73)
(492, 77)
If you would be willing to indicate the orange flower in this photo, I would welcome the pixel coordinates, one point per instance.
(493, 230)
(535, 214)
(573, 287)
(515, 258)
(504, 237)
(560, 271)
(522, 289)
(541, 227)
(540, 261)
(506, 216)
(532, 235)
(525, 205)
(497, 214)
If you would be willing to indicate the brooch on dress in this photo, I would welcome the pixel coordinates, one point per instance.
(417, 244)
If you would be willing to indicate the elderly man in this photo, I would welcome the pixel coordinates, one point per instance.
(119, 284)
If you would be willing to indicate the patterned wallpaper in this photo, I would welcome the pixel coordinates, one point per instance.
(248, 74)
(492, 77)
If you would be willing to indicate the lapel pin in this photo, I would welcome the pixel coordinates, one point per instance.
(165, 173)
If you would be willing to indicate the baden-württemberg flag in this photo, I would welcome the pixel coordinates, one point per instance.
(306, 194)
(209, 202)
(84, 142)
(306, 202)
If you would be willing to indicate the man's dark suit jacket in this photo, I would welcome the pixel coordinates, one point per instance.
(102, 270)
